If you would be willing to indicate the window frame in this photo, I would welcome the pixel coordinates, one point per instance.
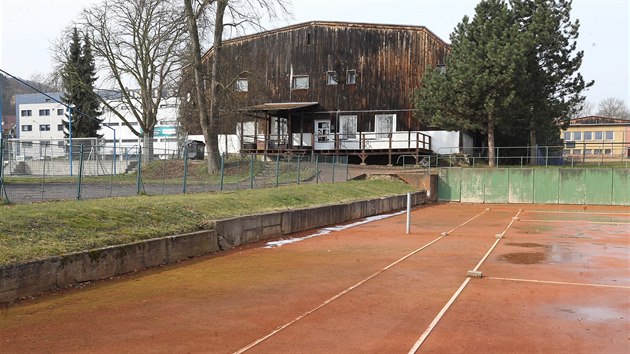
(241, 85)
(44, 112)
(26, 128)
(601, 135)
(331, 78)
(44, 127)
(383, 134)
(295, 79)
(26, 113)
(351, 73)
(577, 136)
(345, 121)
(612, 135)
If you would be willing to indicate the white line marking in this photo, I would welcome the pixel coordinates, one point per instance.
(575, 212)
(437, 318)
(262, 339)
(560, 282)
(579, 221)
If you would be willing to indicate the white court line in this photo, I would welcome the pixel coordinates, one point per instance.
(578, 221)
(262, 339)
(575, 212)
(560, 282)
(437, 318)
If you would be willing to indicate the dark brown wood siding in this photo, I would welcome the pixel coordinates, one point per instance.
(389, 63)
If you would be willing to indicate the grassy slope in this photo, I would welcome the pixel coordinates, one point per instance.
(35, 231)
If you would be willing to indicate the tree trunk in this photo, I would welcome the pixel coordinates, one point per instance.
(533, 148)
(491, 152)
(206, 117)
(147, 147)
(212, 140)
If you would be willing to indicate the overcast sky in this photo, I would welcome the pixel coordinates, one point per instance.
(29, 26)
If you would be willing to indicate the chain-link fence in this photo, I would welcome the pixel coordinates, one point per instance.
(88, 171)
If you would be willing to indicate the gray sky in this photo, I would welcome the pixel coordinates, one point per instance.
(29, 26)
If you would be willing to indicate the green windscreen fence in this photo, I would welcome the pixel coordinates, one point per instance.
(601, 186)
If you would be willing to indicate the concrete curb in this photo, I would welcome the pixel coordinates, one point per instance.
(28, 279)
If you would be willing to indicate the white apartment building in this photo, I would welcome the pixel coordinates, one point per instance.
(40, 132)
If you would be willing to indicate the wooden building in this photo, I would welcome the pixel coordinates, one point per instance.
(330, 88)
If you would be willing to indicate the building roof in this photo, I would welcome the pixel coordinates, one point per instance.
(281, 106)
(598, 120)
(331, 24)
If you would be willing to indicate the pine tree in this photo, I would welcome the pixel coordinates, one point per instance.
(484, 69)
(553, 89)
(78, 77)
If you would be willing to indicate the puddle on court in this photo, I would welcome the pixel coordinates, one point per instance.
(545, 254)
(592, 313)
(524, 257)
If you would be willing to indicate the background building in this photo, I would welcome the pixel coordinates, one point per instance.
(595, 137)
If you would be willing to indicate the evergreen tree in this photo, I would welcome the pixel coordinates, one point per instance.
(478, 90)
(553, 89)
(78, 77)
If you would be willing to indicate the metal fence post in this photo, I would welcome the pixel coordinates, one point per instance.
(80, 180)
(277, 168)
(139, 170)
(222, 170)
(185, 169)
(334, 162)
(251, 171)
(316, 169)
(3, 192)
(347, 169)
(298, 169)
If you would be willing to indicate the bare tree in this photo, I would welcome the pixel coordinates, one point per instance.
(139, 46)
(235, 14)
(585, 110)
(613, 107)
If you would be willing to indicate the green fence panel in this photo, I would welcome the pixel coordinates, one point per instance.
(598, 185)
(621, 187)
(521, 186)
(473, 185)
(497, 183)
(546, 183)
(449, 182)
(571, 188)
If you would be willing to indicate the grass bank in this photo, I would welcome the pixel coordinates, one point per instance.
(36, 231)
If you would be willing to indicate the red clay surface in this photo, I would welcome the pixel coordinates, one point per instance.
(555, 282)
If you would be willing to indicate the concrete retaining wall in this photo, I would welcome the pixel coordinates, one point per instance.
(27, 279)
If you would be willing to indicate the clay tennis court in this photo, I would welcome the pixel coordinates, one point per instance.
(554, 278)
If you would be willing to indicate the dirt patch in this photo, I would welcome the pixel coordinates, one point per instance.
(524, 257)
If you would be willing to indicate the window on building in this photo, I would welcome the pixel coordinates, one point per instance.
(588, 152)
(27, 128)
(577, 152)
(597, 151)
(26, 113)
(348, 127)
(607, 151)
(610, 135)
(331, 78)
(111, 124)
(44, 112)
(60, 111)
(384, 124)
(588, 135)
(577, 135)
(598, 135)
(351, 77)
(59, 127)
(300, 82)
(567, 136)
(27, 144)
(61, 143)
(566, 152)
(241, 85)
(44, 127)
